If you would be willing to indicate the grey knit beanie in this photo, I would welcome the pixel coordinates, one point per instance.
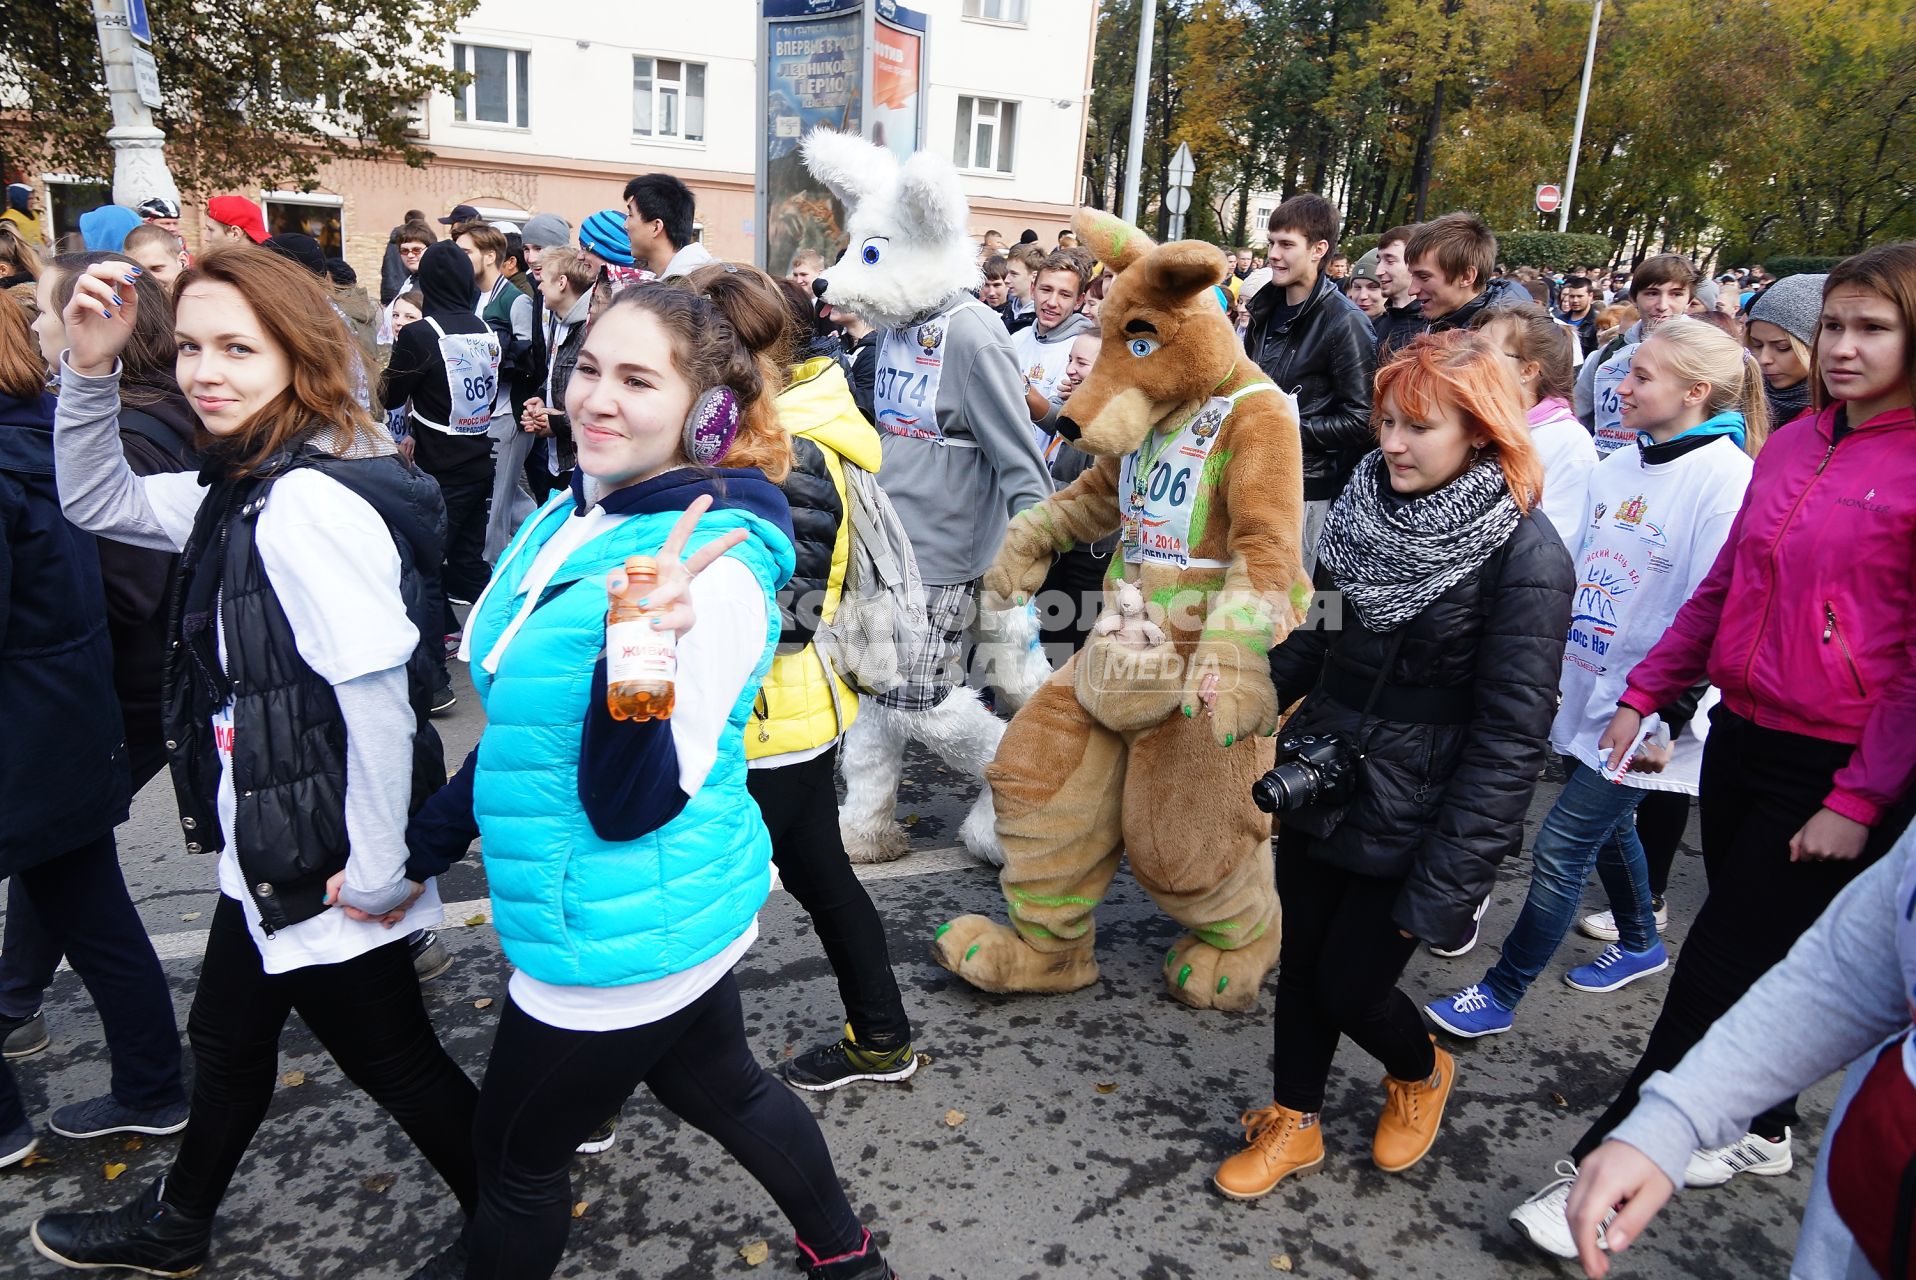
(546, 231)
(1704, 291)
(1366, 267)
(1792, 304)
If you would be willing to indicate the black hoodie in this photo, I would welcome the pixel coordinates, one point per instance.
(418, 373)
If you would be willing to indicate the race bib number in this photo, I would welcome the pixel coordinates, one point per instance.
(911, 363)
(1611, 434)
(1160, 487)
(472, 378)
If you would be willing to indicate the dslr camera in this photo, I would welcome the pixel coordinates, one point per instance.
(1312, 768)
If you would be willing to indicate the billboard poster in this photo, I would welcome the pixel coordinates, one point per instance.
(896, 54)
(813, 68)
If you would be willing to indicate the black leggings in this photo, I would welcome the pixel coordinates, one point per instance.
(1757, 789)
(1337, 976)
(368, 1014)
(800, 805)
(547, 1088)
(1661, 818)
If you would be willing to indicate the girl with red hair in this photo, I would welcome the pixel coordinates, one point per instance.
(1428, 691)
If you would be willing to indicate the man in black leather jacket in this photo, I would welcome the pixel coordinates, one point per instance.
(1313, 342)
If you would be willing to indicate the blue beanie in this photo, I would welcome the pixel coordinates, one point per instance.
(604, 234)
(104, 229)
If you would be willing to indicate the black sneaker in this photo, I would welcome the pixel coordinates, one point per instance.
(18, 1145)
(98, 1117)
(449, 1265)
(445, 699)
(832, 1065)
(429, 955)
(600, 1139)
(148, 1235)
(866, 1264)
(23, 1037)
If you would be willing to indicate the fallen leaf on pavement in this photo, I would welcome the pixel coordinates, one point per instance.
(293, 1078)
(483, 1002)
(191, 915)
(379, 1183)
(954, 1118)
(1559, 1099)
(35, 1158)
(473, 922)
(132, 1144)
(578, 1210)
(911, 819)
(112, 1170)
(1107, 1086)
(755, 1253)
(1282, 1262)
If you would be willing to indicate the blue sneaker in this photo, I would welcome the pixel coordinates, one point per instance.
(1470, 1013)
(1617, 968)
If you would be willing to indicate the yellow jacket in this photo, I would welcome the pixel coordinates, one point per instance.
(800, 707)
(28, 229)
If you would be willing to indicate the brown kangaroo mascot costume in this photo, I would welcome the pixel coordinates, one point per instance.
(1147, 742)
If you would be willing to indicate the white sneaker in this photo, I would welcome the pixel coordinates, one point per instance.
(1470, 943)
(1749, 1154)
(1602, 925)
(1544, 1218)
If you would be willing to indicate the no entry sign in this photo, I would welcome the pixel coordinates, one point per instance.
(1549, 196)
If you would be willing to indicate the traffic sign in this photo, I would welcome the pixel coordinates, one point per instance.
(1549, 196)
(139, 24)
(1183, 167)
(1178, 200)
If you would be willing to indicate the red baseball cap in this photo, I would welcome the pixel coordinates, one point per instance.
(238, 211)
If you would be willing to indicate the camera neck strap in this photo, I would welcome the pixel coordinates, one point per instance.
(1383, 673)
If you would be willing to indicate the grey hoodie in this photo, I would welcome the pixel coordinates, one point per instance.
(1584, 399)
(1041, 359)
(957, 478)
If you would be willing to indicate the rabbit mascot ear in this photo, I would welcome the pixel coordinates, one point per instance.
(909, 247)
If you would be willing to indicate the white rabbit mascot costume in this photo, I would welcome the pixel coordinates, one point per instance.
(960, 458)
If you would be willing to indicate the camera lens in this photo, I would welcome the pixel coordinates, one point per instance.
(1291, 785)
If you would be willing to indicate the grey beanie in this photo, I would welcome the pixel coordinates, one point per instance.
(1366, 267)
(1704, 291)
(1792, 304)
(546, 231)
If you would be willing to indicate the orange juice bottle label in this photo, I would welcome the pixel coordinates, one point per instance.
(638, 653)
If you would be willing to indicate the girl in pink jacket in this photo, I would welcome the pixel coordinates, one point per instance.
(1806, 624)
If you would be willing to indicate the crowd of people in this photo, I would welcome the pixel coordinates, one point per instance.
(1643, 533)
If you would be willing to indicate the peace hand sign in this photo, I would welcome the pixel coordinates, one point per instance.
(671, 595)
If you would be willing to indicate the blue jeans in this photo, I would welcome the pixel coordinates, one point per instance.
(1593, 822)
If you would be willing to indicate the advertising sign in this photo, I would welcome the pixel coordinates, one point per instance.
(813, 67)
(897, 51)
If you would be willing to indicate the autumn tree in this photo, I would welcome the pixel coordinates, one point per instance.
(258, 94)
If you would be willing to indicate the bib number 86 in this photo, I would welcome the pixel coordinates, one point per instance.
(480, 389)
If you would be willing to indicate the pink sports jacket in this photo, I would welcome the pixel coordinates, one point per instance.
(1807, 620)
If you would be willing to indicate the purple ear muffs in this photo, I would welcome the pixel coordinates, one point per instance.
(711, 426)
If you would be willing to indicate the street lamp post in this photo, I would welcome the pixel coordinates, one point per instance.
(1134, 156)
(139, 147)
(1583, 101)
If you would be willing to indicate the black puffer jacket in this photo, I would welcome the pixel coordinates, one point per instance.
(289, 739)
(1326, 356)
(1440, 805)
(816, 514)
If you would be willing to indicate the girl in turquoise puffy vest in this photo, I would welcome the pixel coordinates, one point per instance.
(626, 860)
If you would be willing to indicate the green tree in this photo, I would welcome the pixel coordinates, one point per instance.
(256, 94)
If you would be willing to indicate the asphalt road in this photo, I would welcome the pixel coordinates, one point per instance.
(1066, 1136)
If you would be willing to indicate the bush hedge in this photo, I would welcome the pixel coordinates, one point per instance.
(1547, 250)
(1798, 266)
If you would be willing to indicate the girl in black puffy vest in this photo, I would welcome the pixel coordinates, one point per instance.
(299, 669)
(1439, 686)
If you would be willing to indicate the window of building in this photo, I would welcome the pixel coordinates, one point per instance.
(998, 10)
(668, 99)
(69, 196)
(316, 215)
(498, 90)
(987, 134)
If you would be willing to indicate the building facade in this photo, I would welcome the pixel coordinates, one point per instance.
(570, 98)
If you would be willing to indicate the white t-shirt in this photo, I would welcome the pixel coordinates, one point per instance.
(1567, 454)
(334, 568)
(1650, 535)
(715, 660)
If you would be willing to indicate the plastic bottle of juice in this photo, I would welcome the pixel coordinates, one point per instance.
(640, 661)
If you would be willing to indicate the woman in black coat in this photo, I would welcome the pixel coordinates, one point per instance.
(63, 774)
(1438, 685)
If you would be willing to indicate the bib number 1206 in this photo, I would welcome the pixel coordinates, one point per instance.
(1176, 484)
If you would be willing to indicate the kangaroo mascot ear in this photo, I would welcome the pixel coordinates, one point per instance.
(1112, 240)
